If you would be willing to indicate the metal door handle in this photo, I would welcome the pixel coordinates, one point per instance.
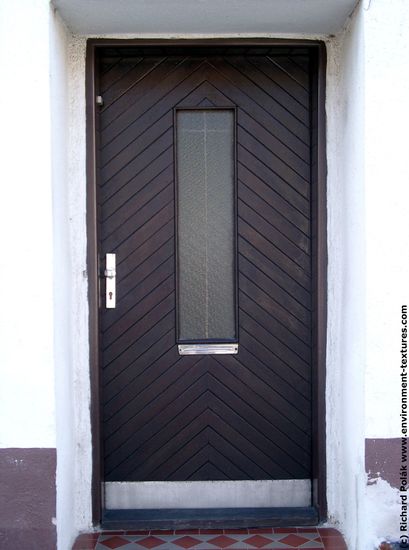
(110, 281)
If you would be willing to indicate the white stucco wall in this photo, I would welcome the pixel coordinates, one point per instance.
(26, 259)
(44, 389)
(82, 451)
(387, 175)
(387, 257)
(70, 334)
(368, 174)
(346, 279)
(62, 279)
(74, 451)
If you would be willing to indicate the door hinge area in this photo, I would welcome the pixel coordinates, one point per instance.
(99, 100)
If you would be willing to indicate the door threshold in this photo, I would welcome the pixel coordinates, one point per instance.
(209, 518)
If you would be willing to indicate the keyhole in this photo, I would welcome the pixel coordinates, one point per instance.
(110, 295)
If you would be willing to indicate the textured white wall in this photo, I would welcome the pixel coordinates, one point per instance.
(82, 449)
(387, 176)
(368, 174)
(387, 258)
(346, 279)
(26, 268)
(63, 296)
(43, 320)
(74, 451)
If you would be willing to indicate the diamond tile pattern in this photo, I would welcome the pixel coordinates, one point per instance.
(258, 541)
(150, 542)
(223, 541)
(294, 541)
(114, 542)
(309, 538)
(187, 542)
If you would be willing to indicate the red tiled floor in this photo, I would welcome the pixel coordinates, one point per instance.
(258, 541)
(222, 541)
(187, 542)
(151, 542)
(294, 540)
(114, 542)
(283, 538)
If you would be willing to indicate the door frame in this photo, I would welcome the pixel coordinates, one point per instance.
(319, 244)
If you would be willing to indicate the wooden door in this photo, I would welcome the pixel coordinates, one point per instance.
(168, 417)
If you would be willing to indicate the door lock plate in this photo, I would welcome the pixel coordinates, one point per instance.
(110, 281)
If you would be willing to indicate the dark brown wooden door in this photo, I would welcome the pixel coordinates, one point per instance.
(226, 417)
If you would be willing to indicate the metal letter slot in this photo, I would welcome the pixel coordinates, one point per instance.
(208, 349)
(110, 281)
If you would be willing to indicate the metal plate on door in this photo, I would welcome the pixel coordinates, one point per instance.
(110, 281)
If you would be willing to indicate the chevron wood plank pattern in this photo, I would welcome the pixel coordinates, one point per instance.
(167, 417)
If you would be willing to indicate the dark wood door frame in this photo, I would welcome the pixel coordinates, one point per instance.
(319, 214)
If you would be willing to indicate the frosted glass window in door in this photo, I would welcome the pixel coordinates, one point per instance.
(206, 225)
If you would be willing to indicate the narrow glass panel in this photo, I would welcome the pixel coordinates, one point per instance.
(206, 244)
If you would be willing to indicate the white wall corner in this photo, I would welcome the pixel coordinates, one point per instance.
(387, 173)
(387, 176)
(346, 334)
(368, 81)
(79, 306)
(59, 42)
(74, 449)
